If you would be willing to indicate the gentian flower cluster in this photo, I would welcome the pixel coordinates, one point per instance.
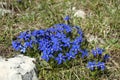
(54, 42)
(98, 64)
(92, 65)
(58, 43)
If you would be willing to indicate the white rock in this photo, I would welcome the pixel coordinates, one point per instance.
(92, 38)
(17, 68)
(79, 13)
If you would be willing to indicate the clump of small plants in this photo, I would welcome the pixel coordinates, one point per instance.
(58, 44)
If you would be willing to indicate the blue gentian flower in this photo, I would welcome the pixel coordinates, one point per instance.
(23, 50)
(46, 56)
(56, 47)
(34, 33)
(67, 28)
(27, 37)
(78, 40)
(26, 44)
(32, 42)
(79, 30)
(60, 58)
(84, 53)
(66, 42)
(58, 28)
(41, 32)
(91, 65)
(24, 47)
(94, 52)
(106, 57)
(67, 18)
(22, 35)
(99, 51)
(75, 47)
(16, 45)
(70, 55)
(101, 65)
(60, 35)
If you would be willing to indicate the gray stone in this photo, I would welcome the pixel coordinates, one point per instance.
(18, 68)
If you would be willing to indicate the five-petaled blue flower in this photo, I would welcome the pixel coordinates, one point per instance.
(70, 55)
(106, 57)
(46, 56)
(67, 18)
(101, 65)
(91, 65)
(16, 45)
(60, 58)
(84, 53)
(97, 51)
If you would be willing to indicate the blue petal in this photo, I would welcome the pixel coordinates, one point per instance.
(67, 18)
